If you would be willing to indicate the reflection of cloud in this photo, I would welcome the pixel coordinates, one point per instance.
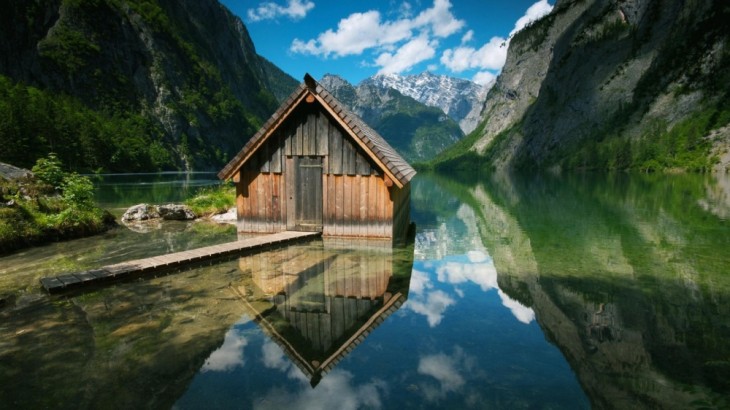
(273, 356)
(419, 282)
(335, 391)
(522, 313)
(443, 369)
(477, 256)
(433, 308)
(229, 355)
(483, 274)
(476, 267)
(447, 370)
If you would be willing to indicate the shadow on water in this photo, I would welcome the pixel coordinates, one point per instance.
(627, 275)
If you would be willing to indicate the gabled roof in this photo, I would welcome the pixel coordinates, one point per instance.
(372, 143)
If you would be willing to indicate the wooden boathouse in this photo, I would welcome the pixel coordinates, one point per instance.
(316, 166)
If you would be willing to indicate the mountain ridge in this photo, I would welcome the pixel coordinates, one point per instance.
(418, 132)
(459, 98)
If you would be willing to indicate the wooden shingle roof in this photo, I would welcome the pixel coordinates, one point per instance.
(372, 143)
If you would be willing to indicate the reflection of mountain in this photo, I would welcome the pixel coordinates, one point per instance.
(318, 302)
(627, 276)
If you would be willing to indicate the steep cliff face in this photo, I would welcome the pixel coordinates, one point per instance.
(188, 68)
(418, 132)
(610, 84)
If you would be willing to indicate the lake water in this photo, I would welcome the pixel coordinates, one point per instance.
(584, 291)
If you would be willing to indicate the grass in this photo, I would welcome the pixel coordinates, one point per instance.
(212, 201)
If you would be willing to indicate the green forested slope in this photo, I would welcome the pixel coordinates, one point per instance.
(130, 85)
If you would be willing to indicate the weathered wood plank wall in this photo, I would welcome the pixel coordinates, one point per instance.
(355, 200)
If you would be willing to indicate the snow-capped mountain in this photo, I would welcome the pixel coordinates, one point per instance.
(460, 99)
(417, 131)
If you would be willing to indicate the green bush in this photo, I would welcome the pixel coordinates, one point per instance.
(78, 191)
(48, 170)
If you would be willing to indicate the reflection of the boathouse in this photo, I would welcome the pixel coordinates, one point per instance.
(319, 301)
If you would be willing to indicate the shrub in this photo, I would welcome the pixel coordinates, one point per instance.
(48, 171)
(78, 191)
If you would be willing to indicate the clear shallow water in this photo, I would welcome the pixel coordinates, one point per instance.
(548, 292)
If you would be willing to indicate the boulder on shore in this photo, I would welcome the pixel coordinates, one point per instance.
(176, 212)
(147, 212)
(140, 212)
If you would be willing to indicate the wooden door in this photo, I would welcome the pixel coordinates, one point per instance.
(308, 193)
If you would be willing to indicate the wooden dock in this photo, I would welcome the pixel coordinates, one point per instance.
(172, 261)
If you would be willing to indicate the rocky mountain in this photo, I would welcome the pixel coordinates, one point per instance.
(460, 99)
(418, 132)
(129, 85)
(606, 84)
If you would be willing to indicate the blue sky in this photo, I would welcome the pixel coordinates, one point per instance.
(459, 38)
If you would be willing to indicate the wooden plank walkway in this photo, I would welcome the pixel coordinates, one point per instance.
(170, 261)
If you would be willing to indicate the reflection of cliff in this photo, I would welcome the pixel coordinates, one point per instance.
(626, 276)
(319, 302)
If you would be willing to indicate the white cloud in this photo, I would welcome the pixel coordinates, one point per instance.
(295, 9)
(355, 34)
(439, 19)
(484, 77)
(413, 52)
(534, 12)
(467, 37)
(398, 47)
(491, 56)
(228, 356)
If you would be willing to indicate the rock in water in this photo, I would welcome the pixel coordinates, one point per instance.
(176, 212)
(141, 212)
